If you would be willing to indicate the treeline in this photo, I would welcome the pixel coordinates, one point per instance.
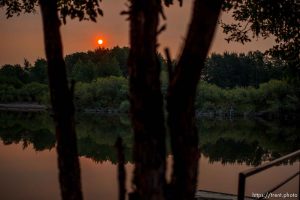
(242, 70)
(28, 83)
(81, 67)
(235, 83)
(226, 70)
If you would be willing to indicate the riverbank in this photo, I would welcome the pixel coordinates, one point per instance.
(23, 107)
(35, 107)
(210, 114)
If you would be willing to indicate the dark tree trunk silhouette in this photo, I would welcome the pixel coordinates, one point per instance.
(62, 104)
(147, 101)
(121, 168)
(181, 97)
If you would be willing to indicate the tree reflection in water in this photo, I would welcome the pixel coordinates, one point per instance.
(242, 141)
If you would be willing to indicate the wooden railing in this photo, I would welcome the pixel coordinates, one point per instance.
(243, 175)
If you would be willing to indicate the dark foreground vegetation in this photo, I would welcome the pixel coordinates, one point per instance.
(236, 84)
(261, 19)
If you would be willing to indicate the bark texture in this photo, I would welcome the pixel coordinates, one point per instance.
(146, 101)
(62, 104)
(181, 98)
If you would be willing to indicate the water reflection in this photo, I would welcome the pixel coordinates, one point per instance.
(28, 157)
(241, 141)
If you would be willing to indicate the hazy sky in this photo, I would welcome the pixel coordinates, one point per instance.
(21, 37)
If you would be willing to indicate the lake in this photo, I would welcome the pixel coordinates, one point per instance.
(28, 166)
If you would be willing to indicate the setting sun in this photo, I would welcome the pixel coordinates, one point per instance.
(100, 41)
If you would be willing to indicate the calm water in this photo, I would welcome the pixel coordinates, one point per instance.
(28, 167)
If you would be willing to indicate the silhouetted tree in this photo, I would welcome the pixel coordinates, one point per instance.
(62, 104)
(145, 95)
(276, 18)
(60, 92)
(147, 111)
(14, 75)
(38, 72)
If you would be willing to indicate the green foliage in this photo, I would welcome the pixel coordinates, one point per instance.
(277, 96)
(231, 70)
(26, 83)
(7, 93)
(83, 71)
(17, 75)
(34, 92)
(83, 10)
(237, 82)
(85, 67)
(274, 97)
(109, 67)
(121, 56)
(101, 62)
(263, 18)
(14, 75)
(276, 18)
(13, 81)
(38, 72)
(210, 97)
(106, 92)
(124, 106)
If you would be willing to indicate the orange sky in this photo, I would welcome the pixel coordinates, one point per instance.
(21, 37)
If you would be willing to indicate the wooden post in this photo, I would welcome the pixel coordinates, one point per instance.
(241, 187)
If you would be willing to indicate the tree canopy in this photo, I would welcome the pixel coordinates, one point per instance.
(83, 10)
(230, 70)
(276, 18)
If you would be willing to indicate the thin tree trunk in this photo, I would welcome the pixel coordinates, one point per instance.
(121, 168)
(62, 104)
(181, 98)
(146, 101)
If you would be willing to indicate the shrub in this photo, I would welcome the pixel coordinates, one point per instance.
(106, 92)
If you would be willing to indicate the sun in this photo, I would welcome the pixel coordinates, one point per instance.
(100, 41)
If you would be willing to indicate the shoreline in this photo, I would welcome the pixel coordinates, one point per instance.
(23, 107)
(35, 107)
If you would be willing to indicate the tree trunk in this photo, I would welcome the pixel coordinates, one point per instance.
(181, 98)
(146, 101)
(62, 104)
(121, 168)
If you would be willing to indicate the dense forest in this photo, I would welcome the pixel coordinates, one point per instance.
(251, 83)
